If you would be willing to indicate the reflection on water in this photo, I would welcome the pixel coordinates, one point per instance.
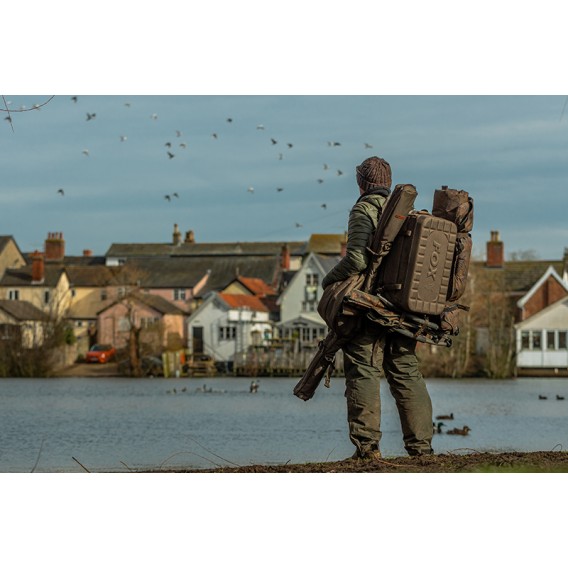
(116, 424)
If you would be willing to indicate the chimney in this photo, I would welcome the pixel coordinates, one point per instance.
(87, 252)
(189, 237)
(495, 251)
(177, 235)
(54, 246)
(38, 268)
(285, 257)
(343, 245)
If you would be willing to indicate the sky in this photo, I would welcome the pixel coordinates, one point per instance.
(274, 168)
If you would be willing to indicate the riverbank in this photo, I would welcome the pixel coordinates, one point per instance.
(477, 462)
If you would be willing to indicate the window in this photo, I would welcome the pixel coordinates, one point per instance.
(525, 339)
(121, 292)
(179, 294)
(309, 306)
(104, 295)
(46, 297)
(227, 332)
(312, 280)
(562, 340)
(550, 343)
(13, 295)
(536, 340)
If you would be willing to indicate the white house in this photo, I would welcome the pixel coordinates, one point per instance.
(542, 339)
(299, 300)
(225, 324)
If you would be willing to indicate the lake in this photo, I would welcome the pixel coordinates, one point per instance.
(117, 424)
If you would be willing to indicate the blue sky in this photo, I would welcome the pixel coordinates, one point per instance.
(509, 152)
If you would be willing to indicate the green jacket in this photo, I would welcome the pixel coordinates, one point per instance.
(363, 221)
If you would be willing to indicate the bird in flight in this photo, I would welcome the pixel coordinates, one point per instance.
(214, 135)
(320, 180)
(260, 126)
(280, 156)
(183, 145)
(170, 155)
(368, 145)
(279, 189)
(123, 138)
(298, 225)
(167, 197)
(274, 141)
(178, 133)
(86, 152)
(127, 105)
(339, 173)
(60, 191)
(168, 144)
(74, 99)
(175, 195)
(91, 115)
(290, 145)
(324, 206)
(325, 167)
(250, 189)
(333, 144)
(154, 116)
(229, 120)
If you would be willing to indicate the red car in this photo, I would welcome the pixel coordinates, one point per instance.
(101, 353)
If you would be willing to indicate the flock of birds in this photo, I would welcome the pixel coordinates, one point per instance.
(543, 397)
(171, 150)
(437, 427)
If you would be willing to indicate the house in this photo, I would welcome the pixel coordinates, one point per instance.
(541, 341)
(10, 254)
(542, 328)
(43, 285)
(162, 323)
(299, 318)
(225, 324)
(22, 322)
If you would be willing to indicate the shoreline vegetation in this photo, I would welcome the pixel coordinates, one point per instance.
(474, 462)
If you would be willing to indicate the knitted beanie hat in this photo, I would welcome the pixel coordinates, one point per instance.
(374, 173)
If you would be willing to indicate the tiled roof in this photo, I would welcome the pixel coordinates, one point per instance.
(520, 276)
(120, 250)
(93, 276)
(327, 262)
(326, 243)
(243, 301)
(153, 301)
(22, 311)
(167, 272)
(257, 286)
(18, 277)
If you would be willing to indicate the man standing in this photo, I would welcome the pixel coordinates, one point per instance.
(375, 350)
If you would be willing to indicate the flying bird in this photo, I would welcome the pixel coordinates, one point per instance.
(127, 105)
(86, 152)
(123, 138)
(339, 173)
(175, 195)
(214, 135)
(279, 189)
(320, 180)
(229, 120)
(260, 126)
(74, 99)
(183, 145)
(178, 133)
(154, 116)
(250, 189)
(290, 145)
(60, 190)
(90, 115)
(168, 197)
(274, 141)
(298, 225)
(170, 155)
(325, 167)
(333, 144)
(280, 156)
(324, 206)
(8, 118)
(168, 144)
(368, 145)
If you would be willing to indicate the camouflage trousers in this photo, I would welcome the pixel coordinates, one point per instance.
(371, 354)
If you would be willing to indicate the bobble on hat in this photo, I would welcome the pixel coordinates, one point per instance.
(374, 173)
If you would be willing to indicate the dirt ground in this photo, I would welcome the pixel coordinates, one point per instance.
(475, 462)
(90, 370)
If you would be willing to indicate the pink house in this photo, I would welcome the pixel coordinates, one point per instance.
(162, 323)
